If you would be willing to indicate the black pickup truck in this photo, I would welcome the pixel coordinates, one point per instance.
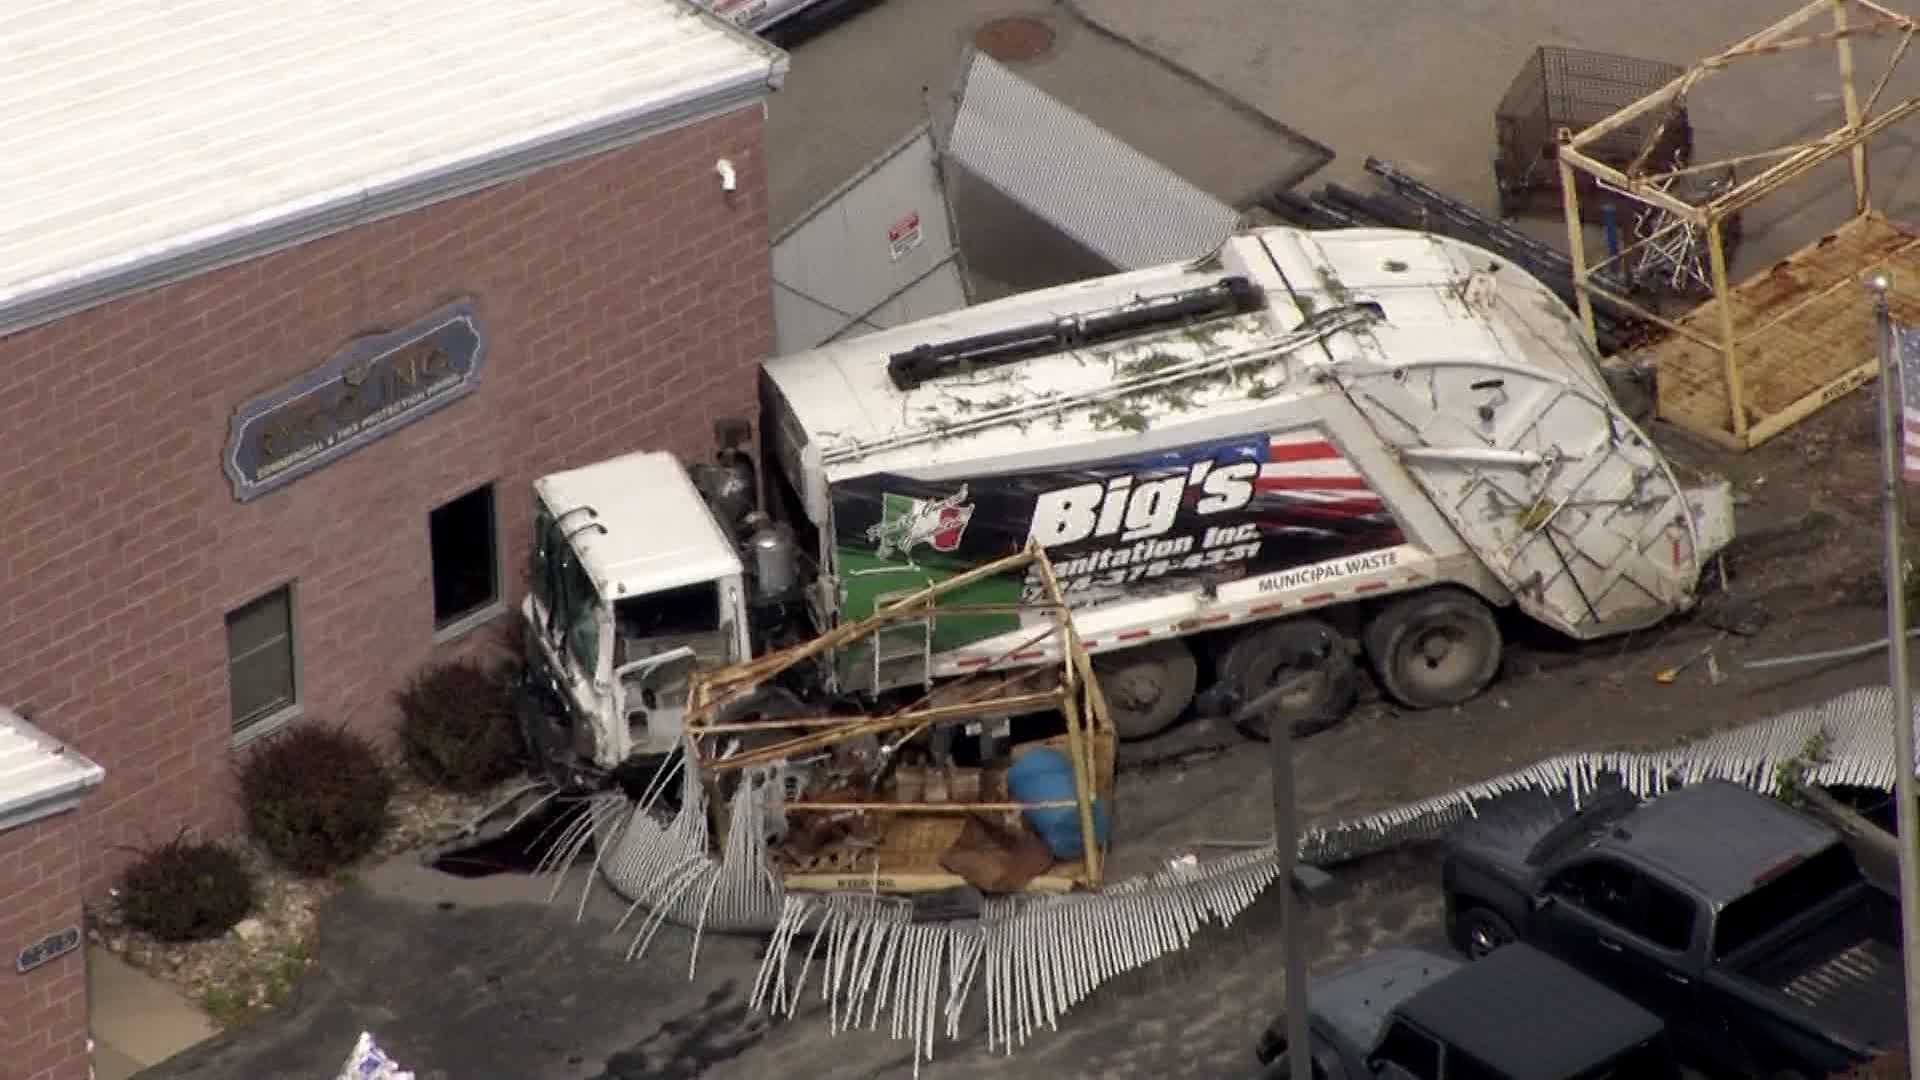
(1747, 926)
(1409, 1014)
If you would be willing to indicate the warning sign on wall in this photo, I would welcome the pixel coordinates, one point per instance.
(904, 235)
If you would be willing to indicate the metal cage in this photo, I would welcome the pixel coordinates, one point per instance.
(1571, 89)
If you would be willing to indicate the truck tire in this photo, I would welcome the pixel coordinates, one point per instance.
(1147, 687)
(1305, 650)
(1477, 932)
(1434, 648)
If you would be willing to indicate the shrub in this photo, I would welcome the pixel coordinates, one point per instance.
(457, 727)
(316, 797)
(186, 890)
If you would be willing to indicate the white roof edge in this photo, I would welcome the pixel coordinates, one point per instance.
(57, 296)
(39, 775)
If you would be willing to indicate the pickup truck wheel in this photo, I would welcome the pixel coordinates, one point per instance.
(1434, 648)
(1147, 686)
(1305, 655)
(1477, 932)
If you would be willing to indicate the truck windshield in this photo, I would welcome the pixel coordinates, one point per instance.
(688, 615)
(1782, 897)
(557, 580)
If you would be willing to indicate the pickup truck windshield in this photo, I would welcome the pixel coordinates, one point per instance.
(1779, 899)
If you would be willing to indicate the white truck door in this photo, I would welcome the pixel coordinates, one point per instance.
(1567, 503)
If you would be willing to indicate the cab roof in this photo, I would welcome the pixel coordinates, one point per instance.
(1717, 837)
(1439, 298)
(655, 533)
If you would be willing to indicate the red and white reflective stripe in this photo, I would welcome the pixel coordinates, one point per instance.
(1212, 620)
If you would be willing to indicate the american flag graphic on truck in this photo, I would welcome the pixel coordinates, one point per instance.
(1307, 473)
(1166, 520)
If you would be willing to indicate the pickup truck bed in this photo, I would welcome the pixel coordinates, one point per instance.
(1844, 971)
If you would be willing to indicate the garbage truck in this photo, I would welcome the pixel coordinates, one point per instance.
(1303, 455)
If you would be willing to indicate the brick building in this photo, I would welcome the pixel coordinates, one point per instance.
(295, 302)
(43, 1003)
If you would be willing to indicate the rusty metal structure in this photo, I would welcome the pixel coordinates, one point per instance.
(1762, 355)
(898, 831)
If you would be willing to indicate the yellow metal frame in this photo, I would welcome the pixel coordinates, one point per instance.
(985, 693)
(1789, 163)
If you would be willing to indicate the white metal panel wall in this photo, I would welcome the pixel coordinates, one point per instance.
(877, 252)
(1120, 204)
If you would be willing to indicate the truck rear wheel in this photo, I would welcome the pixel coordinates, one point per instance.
(1433, 648)
(1147, 687)
(1308, 657)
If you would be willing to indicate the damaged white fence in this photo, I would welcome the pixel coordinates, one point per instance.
(1854, 733)
(1033, 958)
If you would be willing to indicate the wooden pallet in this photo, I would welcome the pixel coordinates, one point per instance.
(1805, 332)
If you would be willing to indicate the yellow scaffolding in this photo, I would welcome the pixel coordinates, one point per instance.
(1761, 356)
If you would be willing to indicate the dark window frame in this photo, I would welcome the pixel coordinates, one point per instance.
(1784, 898)
(456, 622)
(1634, 911)
(246, 719)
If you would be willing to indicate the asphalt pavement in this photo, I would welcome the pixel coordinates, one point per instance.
(464, 979)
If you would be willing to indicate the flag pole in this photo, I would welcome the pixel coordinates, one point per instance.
(1893, 452)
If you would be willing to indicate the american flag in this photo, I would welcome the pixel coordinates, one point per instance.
(1907, 360)
(1311, 469)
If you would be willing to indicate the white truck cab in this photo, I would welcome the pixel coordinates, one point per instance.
(632, 584)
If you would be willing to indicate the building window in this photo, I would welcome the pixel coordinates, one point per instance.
(466, 564)
(260, 675)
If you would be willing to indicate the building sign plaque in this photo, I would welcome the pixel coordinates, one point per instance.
(371, 388)
(52, 947)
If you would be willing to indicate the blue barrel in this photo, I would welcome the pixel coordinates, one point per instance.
(1044, 774)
